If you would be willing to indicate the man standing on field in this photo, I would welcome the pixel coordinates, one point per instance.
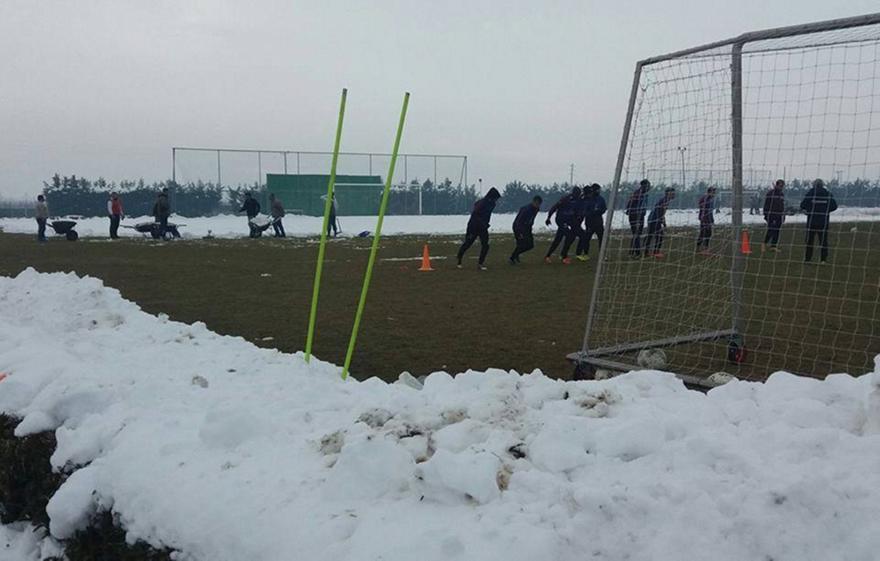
(277, 214)
(636, 208)
(657, 225)
(114, 210)
(42, 215)
(478, 227)
(707, 218)
(818, 203)
(774, 215)
(161, 212)
(522, 228)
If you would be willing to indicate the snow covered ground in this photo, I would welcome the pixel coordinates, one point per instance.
(225, 451)
(230, 226)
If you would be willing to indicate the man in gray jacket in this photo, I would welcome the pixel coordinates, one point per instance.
(277, 210)
(161, 212)
(42, 215)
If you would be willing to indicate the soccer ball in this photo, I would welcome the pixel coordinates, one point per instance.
(720, 378)
(654, 359)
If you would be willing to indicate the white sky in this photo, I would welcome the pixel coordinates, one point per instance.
(523, 88)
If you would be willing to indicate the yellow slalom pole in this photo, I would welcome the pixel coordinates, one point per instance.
(316, 288)
(375, 248)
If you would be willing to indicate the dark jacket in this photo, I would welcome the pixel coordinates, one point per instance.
(818, 203)
(594, 207)
(251, 207)
(658, 213)
(525, 219)
(707, 205)
(161, 209)
(637, 205)
(774, 204)
(482, 212)
(565, 209)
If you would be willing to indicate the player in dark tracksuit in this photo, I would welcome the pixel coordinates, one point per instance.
(566, 210)
(522, 228)
(594, 210)
(657, 225)
(774, 214)
(478, 226)
(636, 208)
(818, 203)
(707, 218)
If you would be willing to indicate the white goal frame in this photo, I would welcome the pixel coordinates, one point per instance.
(589, 357)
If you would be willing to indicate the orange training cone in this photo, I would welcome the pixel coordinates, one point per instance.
(745, 246)
(426, 260)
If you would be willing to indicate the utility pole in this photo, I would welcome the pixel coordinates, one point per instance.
(682, 150)
(571, 176)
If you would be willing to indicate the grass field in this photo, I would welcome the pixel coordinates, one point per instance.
(507, 317)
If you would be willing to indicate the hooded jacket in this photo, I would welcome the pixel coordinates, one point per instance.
(482, 212)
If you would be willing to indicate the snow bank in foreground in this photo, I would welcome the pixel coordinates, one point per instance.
(230, 226)
(226, 451)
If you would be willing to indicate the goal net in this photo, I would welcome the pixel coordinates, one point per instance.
(746, 278)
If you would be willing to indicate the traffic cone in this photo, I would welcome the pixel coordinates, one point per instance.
(745, 246)
(426, 260)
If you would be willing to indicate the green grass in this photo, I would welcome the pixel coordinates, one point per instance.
(519, 318)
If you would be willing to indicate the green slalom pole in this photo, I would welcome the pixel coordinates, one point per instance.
(316, 288)
(375, 249)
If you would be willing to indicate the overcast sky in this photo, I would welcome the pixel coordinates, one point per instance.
(106, 88)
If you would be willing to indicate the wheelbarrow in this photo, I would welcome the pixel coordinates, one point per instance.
(152, 229)
(259, 224)
(65, 228)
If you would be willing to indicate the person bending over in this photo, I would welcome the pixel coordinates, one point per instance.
(478, 227)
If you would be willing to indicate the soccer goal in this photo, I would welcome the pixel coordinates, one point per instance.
(750, 284)
(416, 185)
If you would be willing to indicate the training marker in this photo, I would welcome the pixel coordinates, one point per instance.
(426, 260)
(745, 246)
(375, 248)
(313, 312)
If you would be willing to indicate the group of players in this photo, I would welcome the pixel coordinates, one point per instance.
(579, 216)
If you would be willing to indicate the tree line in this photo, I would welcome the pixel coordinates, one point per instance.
(72, 195)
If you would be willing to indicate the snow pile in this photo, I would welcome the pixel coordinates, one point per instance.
(231, 226)
(226, 451)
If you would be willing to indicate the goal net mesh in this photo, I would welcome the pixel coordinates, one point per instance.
(810, 111)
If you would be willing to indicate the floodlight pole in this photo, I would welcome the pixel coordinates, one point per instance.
(618, 171)
(174, 165)
(737, 266)
(219, 179)
(682, 150)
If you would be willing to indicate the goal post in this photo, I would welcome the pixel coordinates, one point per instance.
(685, 270)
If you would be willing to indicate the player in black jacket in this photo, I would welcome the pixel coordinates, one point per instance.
(818, 203)
(774, 215)
(478, 227)
(566, 211)
(522, 228)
